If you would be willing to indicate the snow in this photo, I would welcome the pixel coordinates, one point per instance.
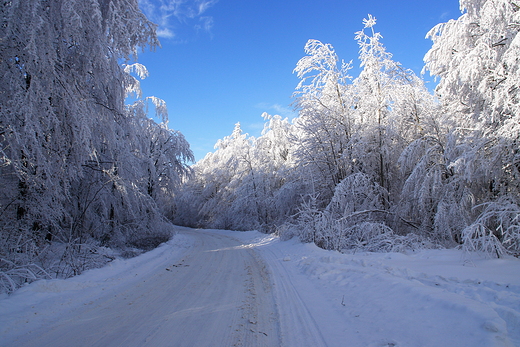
(426, 298)
(223, 288)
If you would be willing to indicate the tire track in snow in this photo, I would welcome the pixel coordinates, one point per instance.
(299, 327)
(307, 317)
(302, 310)
(218, 294)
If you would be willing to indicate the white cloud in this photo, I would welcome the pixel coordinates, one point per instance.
(278, 109)
(444, 15)
(204, 5)
(256, 128)
(174, 16)
(206, 24)
(165, 32)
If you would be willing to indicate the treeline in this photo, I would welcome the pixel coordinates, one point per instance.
(376, 162)
(79, 170)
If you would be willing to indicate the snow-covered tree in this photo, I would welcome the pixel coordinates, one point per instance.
(325, 126)
(275, 152)
(476, 58)
(206, 198)
(244, 184)
(376, 162)
(77, 164)
(392, 105)
(358, 127)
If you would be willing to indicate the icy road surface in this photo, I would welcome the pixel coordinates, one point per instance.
(222, 288)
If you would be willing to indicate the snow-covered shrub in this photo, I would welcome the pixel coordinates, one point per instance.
(327, 231)
(357, 195)
(19, 260)
(287, 231)
(307, 220)
(13, 276)
(496, 231)
(449, 222)
(356, 199)
(478, 238)
(377, 237)
(73, 258)
(152, 236)
(367, 236)
(354, 220)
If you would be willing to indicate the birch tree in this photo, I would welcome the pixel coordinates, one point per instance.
(392, 105)
(71, 151)
(476, 58)
(324, 127)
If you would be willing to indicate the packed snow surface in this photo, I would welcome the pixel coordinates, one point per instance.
(223, 288)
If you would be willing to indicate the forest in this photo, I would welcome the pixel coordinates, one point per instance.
(374, 162)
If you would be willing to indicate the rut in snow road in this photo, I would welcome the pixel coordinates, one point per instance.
(218, 294)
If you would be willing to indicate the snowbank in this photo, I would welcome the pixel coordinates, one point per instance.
(425, 298)
(43, 302)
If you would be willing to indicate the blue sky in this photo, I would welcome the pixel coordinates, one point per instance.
(228, 61)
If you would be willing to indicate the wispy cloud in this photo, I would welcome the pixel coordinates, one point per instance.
(165, 32)
(255, 128)
(204, 5)
(205, 24)
(172, 16)
(444, 15)
(278, 109)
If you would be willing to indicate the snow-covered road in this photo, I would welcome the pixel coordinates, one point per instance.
(222, 288)
(218, 293)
